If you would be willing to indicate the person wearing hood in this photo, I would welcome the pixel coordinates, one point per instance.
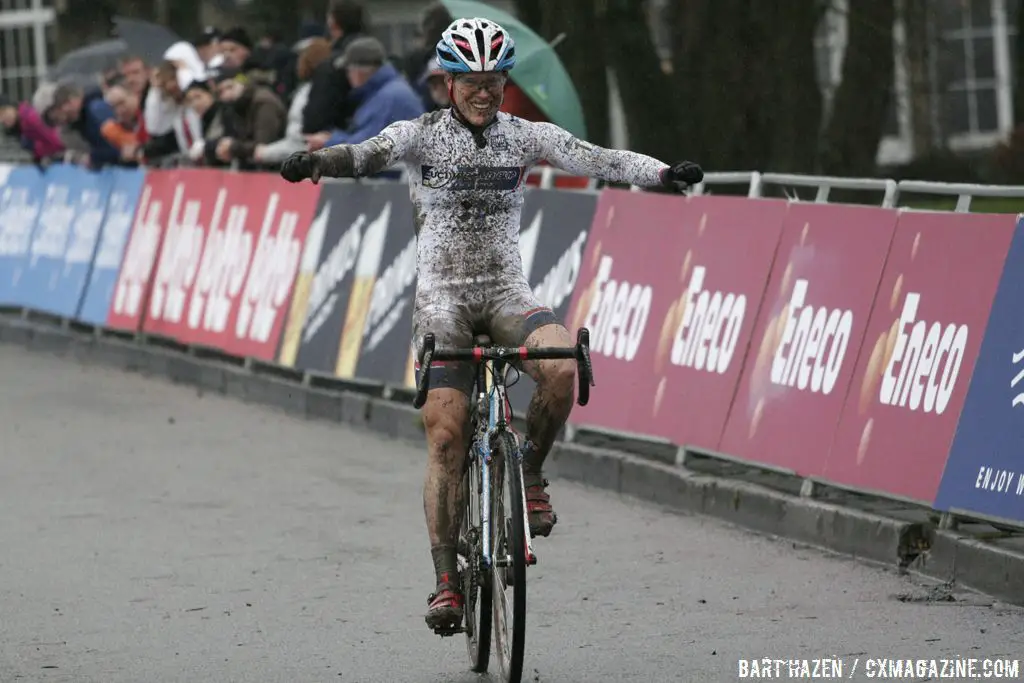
(256, 116)
(381, 94)
(23, 122)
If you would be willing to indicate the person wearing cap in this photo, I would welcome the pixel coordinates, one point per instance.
(23, 122)
(436, 88)
(209, 48)
(236, 47)
(329, 106)
(256, 116)
(381, 94)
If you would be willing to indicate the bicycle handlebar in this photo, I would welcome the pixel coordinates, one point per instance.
(478, 354)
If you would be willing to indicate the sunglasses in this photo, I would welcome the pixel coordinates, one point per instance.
(489, 82)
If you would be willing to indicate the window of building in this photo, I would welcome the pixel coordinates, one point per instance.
(966, 65)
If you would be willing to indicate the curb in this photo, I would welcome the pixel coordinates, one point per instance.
(911, 542)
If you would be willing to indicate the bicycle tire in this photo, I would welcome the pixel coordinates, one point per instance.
(511, 527)
(476, 584)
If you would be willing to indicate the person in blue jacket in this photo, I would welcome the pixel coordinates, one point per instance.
(85, 111)
(382, 95)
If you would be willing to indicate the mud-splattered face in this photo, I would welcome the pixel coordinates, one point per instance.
(478, 96)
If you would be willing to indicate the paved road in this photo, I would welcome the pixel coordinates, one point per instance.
(152, 534)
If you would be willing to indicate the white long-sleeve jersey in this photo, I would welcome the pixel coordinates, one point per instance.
(467, 199)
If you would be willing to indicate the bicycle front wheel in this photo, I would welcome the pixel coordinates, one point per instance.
(508, 573)
(476, 584)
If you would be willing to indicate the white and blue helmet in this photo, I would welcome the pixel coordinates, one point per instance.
(476, 44)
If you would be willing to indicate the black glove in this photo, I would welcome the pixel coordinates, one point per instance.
(299, 166)
(683, 174)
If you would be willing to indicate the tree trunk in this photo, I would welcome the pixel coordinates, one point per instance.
(584, 58)
(648, 99)
(916, 18)
(855, 129)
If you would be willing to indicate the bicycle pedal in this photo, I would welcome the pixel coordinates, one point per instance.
(445, 632)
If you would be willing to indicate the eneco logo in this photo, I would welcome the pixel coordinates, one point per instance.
(929, 356)
(813, 346)
(706, 338)
(618, 314)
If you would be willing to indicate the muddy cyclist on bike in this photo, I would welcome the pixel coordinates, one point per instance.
(466, 168)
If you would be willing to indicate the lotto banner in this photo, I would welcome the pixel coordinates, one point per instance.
(339, 261)
(670, 303)
(985, 469)
(21, 199)
(64, 239)
(919, 352)
(808, 335)
(228, 260)
(126, 184)
(133, 284)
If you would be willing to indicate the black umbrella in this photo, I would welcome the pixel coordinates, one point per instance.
(144, 38)
(85, 64)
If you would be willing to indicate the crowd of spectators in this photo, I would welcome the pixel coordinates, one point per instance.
(224, 101)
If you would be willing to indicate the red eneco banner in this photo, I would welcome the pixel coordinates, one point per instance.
(195, 210)
(630, 270)
(808, 335)
(133, 279)
(922, 341)
(729, 250)
(283, 215)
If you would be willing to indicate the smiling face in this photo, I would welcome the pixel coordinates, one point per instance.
(477, 96)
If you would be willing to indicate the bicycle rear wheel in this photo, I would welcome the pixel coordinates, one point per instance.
(509, 571)
(476, 584)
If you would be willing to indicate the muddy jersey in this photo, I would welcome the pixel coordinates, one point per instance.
(467, 199)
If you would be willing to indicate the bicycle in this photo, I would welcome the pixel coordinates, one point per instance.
(495, 545)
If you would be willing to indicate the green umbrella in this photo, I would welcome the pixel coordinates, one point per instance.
(538, 71)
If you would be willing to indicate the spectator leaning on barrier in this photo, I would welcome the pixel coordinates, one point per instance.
(85, 112)
(316, 51)
(329, 107)
(436, 87)
(257, 117)
(23, 122)
(186, 126)
(127, 130)
(381, 94)
(201, 100)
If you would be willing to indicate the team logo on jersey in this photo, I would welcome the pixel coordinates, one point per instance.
(493, 178)
(498, 142)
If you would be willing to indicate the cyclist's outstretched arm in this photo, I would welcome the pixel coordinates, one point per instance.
(379, 153)
(563, 150)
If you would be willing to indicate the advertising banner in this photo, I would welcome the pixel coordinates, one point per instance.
(64, 239)
(279, 221)
(808, 334)
(706, 333)
(348, 229)
(21, 199)
(627, 286)
(554, 233)
(131, 293)
(919, 352)
(378, 331)
(985, 469)
(198, 210)
(126, 184)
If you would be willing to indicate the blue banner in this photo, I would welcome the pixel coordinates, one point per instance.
(64, 239)
(985, 470)
(109, 248)
(20, 200)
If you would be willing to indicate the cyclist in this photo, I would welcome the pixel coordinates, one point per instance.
(466, 169)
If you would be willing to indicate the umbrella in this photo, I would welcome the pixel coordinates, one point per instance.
(145, 39)
(538, 71)
(83, 65)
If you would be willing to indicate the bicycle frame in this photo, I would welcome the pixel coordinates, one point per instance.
(494, 398)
